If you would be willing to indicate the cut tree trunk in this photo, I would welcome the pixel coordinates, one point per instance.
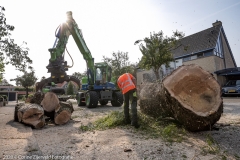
(50, 102)
(63, 113)
(30, 114)
(152, 100)
(189, 94)
(37, 98)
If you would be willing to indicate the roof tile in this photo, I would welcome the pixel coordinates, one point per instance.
(198, 42)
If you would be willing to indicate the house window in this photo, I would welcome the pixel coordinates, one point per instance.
(194, 57)
(208, 53)
(199, 55)
(186, 59)
(218, 48)
(178, 63)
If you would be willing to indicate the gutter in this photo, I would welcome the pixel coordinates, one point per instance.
(193, 53)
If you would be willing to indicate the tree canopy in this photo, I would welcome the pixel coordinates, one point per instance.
(156, 50)
(119, 62)
(70, 89)
(10, 52)
(27, 80)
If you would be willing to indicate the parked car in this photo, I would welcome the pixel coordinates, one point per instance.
(232, 87)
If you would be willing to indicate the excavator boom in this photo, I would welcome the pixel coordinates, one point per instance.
(57, 65)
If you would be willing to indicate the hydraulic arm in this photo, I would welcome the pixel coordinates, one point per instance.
(57, 65)
(78, 37)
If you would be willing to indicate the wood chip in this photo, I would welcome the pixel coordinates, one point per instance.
(127, 150)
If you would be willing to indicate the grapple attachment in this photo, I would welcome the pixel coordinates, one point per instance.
(59, 79)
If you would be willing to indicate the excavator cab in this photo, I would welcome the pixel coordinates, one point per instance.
(102, 73)
(102, 76)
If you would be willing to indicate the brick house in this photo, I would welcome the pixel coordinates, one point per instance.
(210, 50)
(9, 90)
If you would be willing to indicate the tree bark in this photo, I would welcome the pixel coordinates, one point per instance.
(30, 114)
(26, 92)
(189, 94)
(37, 98)
(50, 102)
(63, 113)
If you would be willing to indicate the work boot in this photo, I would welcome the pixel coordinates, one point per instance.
(126, 115)
(134, 113)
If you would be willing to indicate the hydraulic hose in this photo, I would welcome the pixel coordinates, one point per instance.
(71, 59)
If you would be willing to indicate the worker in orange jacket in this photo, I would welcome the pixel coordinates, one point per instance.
(127, 84)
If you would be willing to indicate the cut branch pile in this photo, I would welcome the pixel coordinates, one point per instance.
(189, 94)
(42, 106)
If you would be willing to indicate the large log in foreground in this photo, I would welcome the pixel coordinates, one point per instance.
(191, 96)
(152, 100)
(63, 113)
(194, 96)
(30, 114)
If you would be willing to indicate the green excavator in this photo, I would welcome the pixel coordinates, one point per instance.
(96, 86)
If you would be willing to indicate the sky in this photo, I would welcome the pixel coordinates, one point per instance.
(111, 26)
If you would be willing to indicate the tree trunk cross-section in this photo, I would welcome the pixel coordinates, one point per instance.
(30, 114)
(189, 94)
(194, 96)
(50, 102)
(63, 113)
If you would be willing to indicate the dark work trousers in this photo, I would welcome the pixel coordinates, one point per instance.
(129, 97)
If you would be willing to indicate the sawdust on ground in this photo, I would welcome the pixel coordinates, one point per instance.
(70, 142)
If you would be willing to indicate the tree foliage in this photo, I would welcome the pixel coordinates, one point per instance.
(70, 89)
(10, 52)
(27, 80)
(4, 82)
(119, 62)
(156, 50)
(2, 70)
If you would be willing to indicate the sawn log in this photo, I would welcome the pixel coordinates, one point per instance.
(50, 102)
(30, 114)
(63, 113)
(189, 94)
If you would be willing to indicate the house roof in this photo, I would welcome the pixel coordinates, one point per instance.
(200, 41)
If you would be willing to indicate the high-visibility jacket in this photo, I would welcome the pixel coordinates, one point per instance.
(125, 82)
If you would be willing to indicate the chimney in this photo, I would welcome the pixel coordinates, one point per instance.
(217, 23)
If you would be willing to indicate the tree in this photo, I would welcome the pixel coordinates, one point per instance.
(70, 89)
(1, 69)
(27, 80)
(157, 50)
(120, 64)
(10, 52)
(4, 82)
